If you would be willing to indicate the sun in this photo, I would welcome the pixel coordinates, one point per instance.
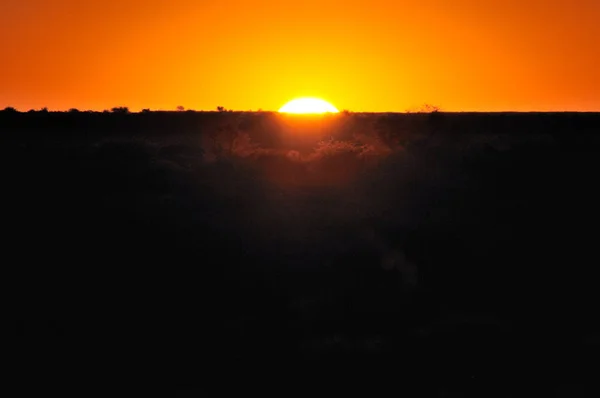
(308, 106)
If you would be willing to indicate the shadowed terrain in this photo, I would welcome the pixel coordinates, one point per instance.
(431, 254)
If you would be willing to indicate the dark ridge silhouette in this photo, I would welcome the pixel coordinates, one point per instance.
(430, 254)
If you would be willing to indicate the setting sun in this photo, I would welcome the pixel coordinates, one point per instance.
(308, 106)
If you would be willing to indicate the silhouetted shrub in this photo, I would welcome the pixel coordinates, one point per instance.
(425, 108)
(120, 109)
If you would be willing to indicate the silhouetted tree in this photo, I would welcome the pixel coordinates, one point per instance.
(146, 110)
(425, 108)
(10, 109)
(180, 108)
(428, 108)
(120, 109)
(44, 110)
(221, 109)
(73, 110)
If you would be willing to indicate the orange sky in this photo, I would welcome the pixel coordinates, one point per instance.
(375, 55)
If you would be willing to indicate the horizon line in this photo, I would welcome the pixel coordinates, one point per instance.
(124, 109)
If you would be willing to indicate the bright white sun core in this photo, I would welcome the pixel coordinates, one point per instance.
(308, 106)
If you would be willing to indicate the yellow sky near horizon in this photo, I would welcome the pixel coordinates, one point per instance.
(377, 55)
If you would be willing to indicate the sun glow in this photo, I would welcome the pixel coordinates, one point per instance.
(308, 106)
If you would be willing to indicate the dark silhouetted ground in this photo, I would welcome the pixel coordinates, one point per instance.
(434, 255)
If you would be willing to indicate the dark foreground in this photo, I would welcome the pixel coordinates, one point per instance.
(423, 255)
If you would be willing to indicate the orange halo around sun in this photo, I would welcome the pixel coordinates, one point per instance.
(308, 106)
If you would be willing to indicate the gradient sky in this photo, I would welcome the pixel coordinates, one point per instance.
(375, 55)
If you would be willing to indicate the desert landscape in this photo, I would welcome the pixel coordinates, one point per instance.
(192, 244)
